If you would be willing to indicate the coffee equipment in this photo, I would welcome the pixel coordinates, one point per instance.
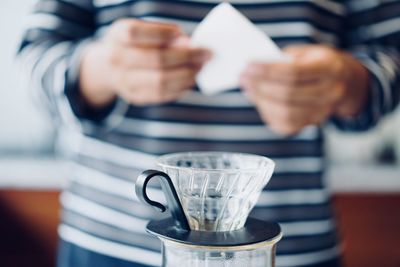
(210, 195)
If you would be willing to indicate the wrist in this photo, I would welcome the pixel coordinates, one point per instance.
(356, 83)
(95, 85)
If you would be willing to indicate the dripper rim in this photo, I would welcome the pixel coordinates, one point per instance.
(161, 161)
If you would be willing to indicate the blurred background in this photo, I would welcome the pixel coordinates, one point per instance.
(364, 174)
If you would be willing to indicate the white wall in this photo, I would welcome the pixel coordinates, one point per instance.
(22, 126)
(363, 148)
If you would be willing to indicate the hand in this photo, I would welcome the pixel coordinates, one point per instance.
(141, 62)
(319, 82)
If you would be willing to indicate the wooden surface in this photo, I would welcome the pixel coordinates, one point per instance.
(28, 228)
(370, 226)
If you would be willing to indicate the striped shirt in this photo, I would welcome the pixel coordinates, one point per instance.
(108, 149)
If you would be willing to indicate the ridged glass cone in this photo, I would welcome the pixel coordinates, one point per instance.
(217, 189)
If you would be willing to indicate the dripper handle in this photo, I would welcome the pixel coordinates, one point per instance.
(170, 194)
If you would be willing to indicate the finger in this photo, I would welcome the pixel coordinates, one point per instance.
(182, 41)
(289, 72)
(308, 63)
(175, 80)
(289, 119)
(178, 56)
(147, 86)
(142, 33)
(133, 57)
(153, 80)
(315, 93)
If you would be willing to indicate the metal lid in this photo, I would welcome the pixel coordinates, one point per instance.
(254, 232)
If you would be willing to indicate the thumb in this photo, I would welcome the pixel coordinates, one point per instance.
(142, 33)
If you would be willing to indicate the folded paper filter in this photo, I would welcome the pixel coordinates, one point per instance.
(235, 42)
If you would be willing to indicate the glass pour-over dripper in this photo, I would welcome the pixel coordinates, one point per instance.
(217, 190)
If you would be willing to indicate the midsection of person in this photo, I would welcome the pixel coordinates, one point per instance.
(98, 204)
(108, 161)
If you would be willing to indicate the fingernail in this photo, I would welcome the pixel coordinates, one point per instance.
(202, 56)
(177, 31)
(254, 69)
(245, 81)
(196, 67)
(243, 78)
(181, 41)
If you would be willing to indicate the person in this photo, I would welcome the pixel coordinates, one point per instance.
(118, 77)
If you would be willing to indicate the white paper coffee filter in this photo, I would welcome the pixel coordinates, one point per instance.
(235, 42)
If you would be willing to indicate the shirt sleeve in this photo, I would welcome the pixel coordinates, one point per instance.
(372, 35)
(57, 33)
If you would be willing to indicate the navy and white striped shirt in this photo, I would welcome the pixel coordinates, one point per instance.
(110, 148)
